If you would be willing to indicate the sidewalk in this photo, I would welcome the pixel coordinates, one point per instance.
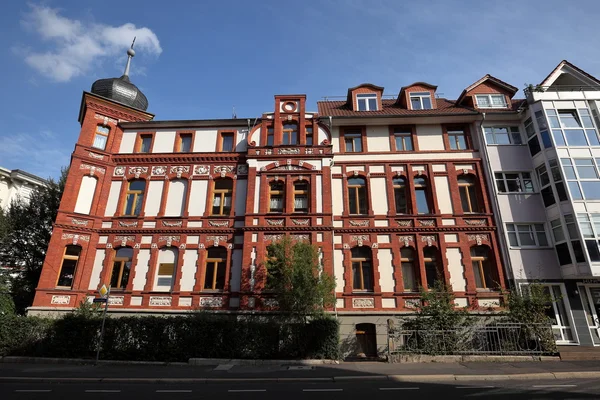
(132, 373)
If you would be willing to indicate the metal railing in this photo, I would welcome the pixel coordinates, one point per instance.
(494, 339)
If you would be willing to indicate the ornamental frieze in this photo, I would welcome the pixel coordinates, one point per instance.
(219, 224)
(159, 170)
(302, 222)
(125, 224)
(289, 151)
(137, 171)
(363, 303)
(216, 239)
(223, 169)
(76, 238)
(273, 237)
(275, 222)
(179, 170)
(359, 239)
(479, 238)
(427, 222)
(404, 222)
(96, 156)
(359, 223)
(429, 239)
(476, 222)
(92, 168)
(406, 240)
(201, 169)
(119, 171)
(242, 169)
(169, 239)
(80, 222)
(301, 237)
(211, 302)
(124, 240)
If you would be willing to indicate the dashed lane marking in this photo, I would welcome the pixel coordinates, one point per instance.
(103, 391)
(322, 390)
(553, 386)
(33, 390)
(475, 387)
(399, 388)
(174, 391)
(246, 390)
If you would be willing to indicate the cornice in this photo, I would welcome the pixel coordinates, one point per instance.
(176, 158)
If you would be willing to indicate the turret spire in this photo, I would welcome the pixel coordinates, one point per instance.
(130, 55)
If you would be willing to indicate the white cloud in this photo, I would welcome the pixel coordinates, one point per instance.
(74, 47)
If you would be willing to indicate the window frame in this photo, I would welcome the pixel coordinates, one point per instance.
(122, 262)
(223, 196)
(288, 132)
(361, 267)
(273, 192)
(432, 258)
(489, 97)
(532, 230)
(301, 192)
(405, 262)
(345, 135)
(270, 135)
(354, 188)
(398, 189)
(309, 134)
(472, 198)
(520, 182)
(217, 263)
(139, 195)
(221, 141)
(173, 265)
(366, 97)
(66, 256)
(482, 262)
(512, 130)
(179, 142)
(420, 96)
(104, 135)
(425, 189)
(407, 133)
(140, 143)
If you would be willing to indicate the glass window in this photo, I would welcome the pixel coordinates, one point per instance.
(222, 192)
(409, 276)
(100, 137)
(214, 277)
(543, 175)
(68, 266)
(534, 146)
(270, 136)
(145, 143)
(227, 141)
(503, 135)
(134, 197)
(432, 269)
(353, 141)
(290, 134)
(301, 197)
(576, 137)
(548, 196)
(591, 189)
(420, 101)
(185, 143)
(276, 196)
(571, 226)
(309, 135)
(165, 274)
(514, 182)
(403, 140)
(564, 256)
(557, 230)
(569, 119)
(491, 101)
(121, 268)
(367, 101)
(400, 195)
(457, 139)
(467, 188)
(529, 128)
(558, 137)
(526, 235)
(357, 195)
(421, 196)
(568, 168)
(362, 269)
(482, 269)
(546, 139)
(586, 168)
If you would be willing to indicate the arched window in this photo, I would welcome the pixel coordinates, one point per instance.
(301, 197)
(216, 263)
(167, 260)
(68, 266)
(357, 195)
(432, 268)
(101, 137)
(121, 268)
(221, 204)
(276, 196)
(482, 269)
(468, 193)
(362, 269)
(400, 195)
(409, 275)
(134, 197)
(290, 134)
(421, 196)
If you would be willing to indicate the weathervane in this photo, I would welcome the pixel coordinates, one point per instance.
(130, 55)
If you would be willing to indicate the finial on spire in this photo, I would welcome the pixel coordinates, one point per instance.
(130, 55)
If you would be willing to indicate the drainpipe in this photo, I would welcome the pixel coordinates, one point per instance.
(495, 207)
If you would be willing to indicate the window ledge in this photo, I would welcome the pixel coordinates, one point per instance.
(63, 288)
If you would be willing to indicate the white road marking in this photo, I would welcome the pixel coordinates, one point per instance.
(246, 390)
(475, 387)
(33, 390)
(174, 391)
(399, 388)
(322, 390)
(103, 391)
(553, 386)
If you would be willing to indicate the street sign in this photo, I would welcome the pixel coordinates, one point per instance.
(103, 291)
(100, 300)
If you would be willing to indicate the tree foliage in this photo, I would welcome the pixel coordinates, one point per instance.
(296, 279)
(25, 230)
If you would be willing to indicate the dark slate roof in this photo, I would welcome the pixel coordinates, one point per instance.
(122, 91)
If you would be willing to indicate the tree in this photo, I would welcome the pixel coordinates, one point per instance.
(25, 230)
(295, 276)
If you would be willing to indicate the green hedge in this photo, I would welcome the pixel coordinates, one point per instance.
(169, 338)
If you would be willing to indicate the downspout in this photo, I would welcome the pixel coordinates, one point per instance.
(496, 208)
(330, 124)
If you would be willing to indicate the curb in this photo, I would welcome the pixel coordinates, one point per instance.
(397, 378)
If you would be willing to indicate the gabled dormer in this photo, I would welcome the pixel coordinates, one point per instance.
(418, 96)
(568, 77)
(488, 93)
(365, 97)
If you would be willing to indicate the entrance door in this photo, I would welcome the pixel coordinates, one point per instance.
(366, 339)
(559, 315)
(590, 296)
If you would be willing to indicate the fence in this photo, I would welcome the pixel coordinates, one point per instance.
(493, 339)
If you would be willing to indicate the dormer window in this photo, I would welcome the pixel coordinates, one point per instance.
(420, 100)
(366, 101)
(491, 101)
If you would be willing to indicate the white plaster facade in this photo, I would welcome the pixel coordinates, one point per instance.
(17, 183)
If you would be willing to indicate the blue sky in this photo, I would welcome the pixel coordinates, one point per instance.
(198, 59)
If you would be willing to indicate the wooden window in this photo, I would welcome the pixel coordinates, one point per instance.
(357, 195)
(290, 134)
(276, 196)
(121, 268)
(409, 275)
(134, 198)
(222, 191)
(309, 136)
(400, 195)
(165, 275)
(403, 139)
(216, 262)
(145, 144)
(301, 197)
(185, 143)
(227, 142)
(101, 137)
(353, 141)
(68, 266)
(457, 139)
(362, 269)
(484, 277)
(432, 270)
(421, 196)
(270, 136)
(468, 194)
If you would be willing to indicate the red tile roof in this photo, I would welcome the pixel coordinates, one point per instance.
(390, 107)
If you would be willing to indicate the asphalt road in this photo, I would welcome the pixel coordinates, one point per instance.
(513, 389)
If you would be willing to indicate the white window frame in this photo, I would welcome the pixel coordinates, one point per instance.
(420, 96)
(512, 131)
(366, 97)
(490, 103)
(532, 229)
(521, 181)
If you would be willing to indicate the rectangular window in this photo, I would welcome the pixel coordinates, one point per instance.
(557, 231)
(420, 101)
(546, 191)
(491, 101)
(185, 143)
(514, 182)
(309, 135)
(145, 143)
(134, 197)
(227, 141)
(301, 197)
(558, 180)
(403, 139)
(457, 139)
(68, 266)
(502, 135)
(353, 141)
(165, 274)
(270, 136)
(367, 101)
(527, 235)
(101, 137)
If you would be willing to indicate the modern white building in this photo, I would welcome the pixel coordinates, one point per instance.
(15, 183)
(544, 159)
